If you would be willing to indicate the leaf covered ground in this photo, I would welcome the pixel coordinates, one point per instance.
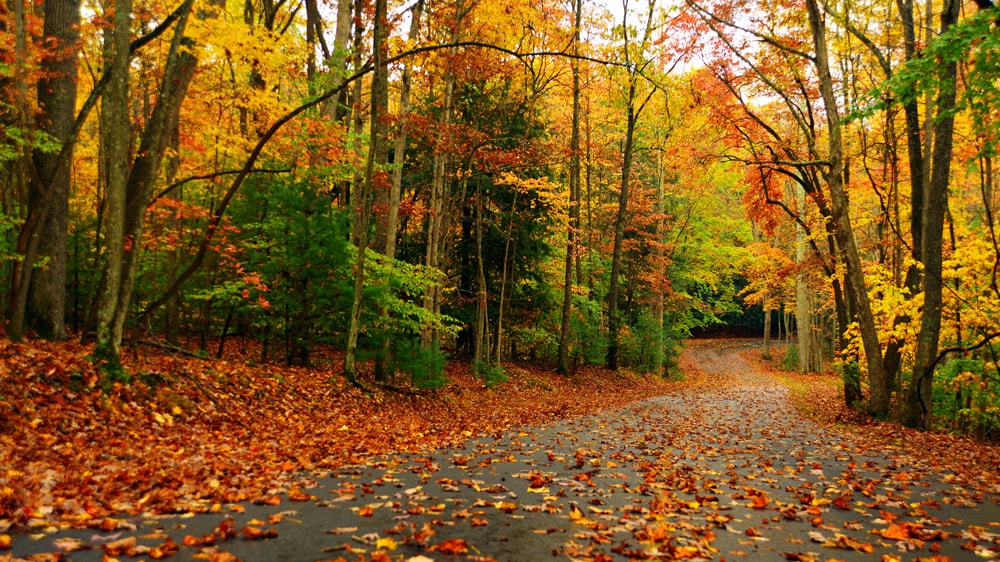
(597, 467)
(188, 433)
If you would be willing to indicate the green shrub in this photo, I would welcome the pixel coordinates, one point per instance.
(492, 375)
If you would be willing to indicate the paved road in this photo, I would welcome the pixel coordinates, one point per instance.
(721, 470)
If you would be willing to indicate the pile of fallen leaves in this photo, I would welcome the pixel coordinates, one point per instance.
(185, 433)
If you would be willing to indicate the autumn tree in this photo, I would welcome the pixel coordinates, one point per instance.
(38, 282)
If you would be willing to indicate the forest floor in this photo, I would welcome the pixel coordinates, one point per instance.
(219, 460)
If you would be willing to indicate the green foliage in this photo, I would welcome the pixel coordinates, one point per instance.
(296, 256)
(492, 375)
(976, 41)
(425, 366)
(790, 362)
(8, 241)
(14, 139)
(536, 342)
(967, 394)
(590, 338)
(642, 345)
(850, 374)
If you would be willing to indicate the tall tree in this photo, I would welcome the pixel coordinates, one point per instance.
(115, 299)
(44, 232)
(636, 62)
(916, 411)
(833, 173)
(573, 226)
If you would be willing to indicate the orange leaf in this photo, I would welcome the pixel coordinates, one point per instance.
(896, 532)
(120, 546)
(256, 533)
(452, 546)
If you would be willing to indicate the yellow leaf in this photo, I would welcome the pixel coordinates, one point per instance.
(386, 543)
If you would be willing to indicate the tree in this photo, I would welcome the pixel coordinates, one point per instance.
(916, 411)
(635, 102)
(573, 226)
(38, 290)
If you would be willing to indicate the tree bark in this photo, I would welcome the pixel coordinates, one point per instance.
(115, 137)
(616, 252)
(915, 155)
(843, 231)
(364, 199)
(917, 411)
(178, 73)
(573, 227)
(41, 302)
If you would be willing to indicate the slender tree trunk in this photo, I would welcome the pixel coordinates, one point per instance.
(115, 127)
(766, 305)
(915, 153)
(342, 38)
(399, 153)
(843, 231)
(508, 257)
(573, 228)
(436, 221)
(916, 411)
(480, 352)
(803, 307)
(364, 199)
(616, 253)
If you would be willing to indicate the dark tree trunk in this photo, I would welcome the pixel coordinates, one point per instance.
(916, 411)
(45, 308)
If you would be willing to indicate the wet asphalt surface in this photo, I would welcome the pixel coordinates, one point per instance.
(723, 471)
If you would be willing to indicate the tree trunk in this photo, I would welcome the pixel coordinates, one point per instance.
(364, 199)
(573, 228)
(480, 353)
(803, 300)
(916, 411)
(40, 293)
(510, 247)
(436, 220)
(178, 72)
(115, 130)
(915, 152)
(616, 253)
(879, 404)
(399, 151)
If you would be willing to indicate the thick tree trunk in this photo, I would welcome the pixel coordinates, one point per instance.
(41, 296)
(916, 411)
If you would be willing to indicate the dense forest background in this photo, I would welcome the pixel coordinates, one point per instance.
(557, 181)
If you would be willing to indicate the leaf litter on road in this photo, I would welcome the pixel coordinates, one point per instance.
(717, 466)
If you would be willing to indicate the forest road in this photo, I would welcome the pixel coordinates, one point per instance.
(724, 469)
